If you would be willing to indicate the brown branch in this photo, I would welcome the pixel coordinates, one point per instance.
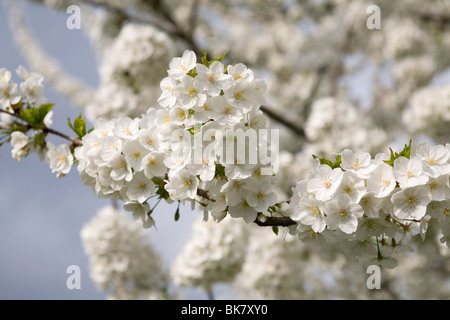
(75, 141)
(318, 81)
(269, 221)
(205, 194)
(298, 130)
(276, 222)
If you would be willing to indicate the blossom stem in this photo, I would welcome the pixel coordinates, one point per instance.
(269, 221)
(288, 124)
(75, 141)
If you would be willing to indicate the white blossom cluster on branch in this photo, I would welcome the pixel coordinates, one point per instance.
(122, 259)
(218, 260)
(372, 205)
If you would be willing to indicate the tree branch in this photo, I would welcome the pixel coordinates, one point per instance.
(269, 222)
(276, 222)
(298, 130)
(75, 141)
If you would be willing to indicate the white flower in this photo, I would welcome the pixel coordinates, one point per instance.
(434, 159)
(154, 165)
(110, 148)
(204, 165)
(213, 79)
(182, 185)
(235, 191)
(120, 168)
(408, 172)
(357, 162)
(188, 93)
(103, 128)
(149, 138)
(167, 98)
(18, 141)
(127, 128)
(260, 196)
(381, 181)
(353, 186)
(225, 113)
(134, 152)
(48, 121)
(141, 213)
(243, 210)
(260, 88)
(439, 187)
(309, 212)
(361, 250)
(140, 188)
(240, 71)
(204, 263)
(206, 111)
(343, 213)
(374, 227)
(178, 67)
(242, 95)
(411, 203)
(60, 158)
(33, 89)
(9, 92)
(439, 210)
(178, 115)
(325, 182)
(371, 205)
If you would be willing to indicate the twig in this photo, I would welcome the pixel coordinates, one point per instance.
(276, 222)
(269, 222)
(75, 141)
(308, 102)
(298, 130)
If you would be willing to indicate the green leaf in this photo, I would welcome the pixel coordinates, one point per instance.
(207, 62)
(275, 229)
(193, 73)
(177, 214)
(78, 126)
(161, 191)
(34, 116)
(195, 129)
(336, 164)
(406, 152)
(220, 171)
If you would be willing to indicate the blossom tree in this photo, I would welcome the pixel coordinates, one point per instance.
(249, 113)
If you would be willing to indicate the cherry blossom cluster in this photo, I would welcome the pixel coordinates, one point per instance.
(204, 263)
(131, 66)
(121, 257)
(30, 93)
(183, 150)
(375, 205)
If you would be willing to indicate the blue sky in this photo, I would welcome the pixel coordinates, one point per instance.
(41, 216)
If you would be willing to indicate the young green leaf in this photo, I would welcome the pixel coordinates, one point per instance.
(207, 62)
(34, 116)
(336, 164)
(78, 126)
(406, 152)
